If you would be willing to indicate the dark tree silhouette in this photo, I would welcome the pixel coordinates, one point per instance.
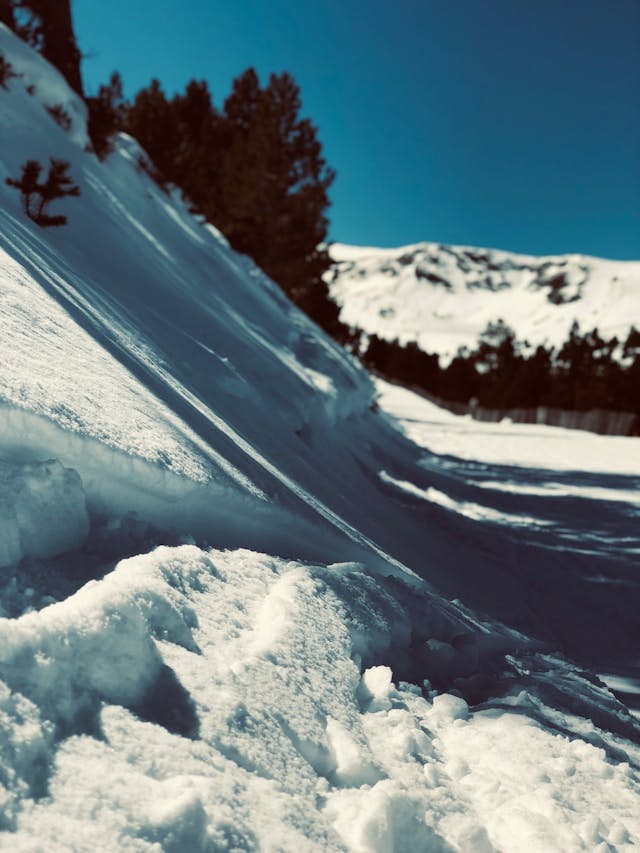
(106, 114)
(60, 116)
(256, 170)
(502, 373)
(48, 26)
(27, 184)
(273, 192)
(6, 72)
(36, 196)
(150, 120)
(6, 14)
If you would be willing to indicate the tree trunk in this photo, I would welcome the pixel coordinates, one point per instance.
(59, 44)
(6, 14)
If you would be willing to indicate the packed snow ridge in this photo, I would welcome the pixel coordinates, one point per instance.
(244, 608)
(443, 297)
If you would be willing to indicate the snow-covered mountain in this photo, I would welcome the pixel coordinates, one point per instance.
(443, 297)
(242, 607)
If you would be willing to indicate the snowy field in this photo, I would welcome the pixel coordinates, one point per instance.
(580, 490)
(242, 608)
(521, 446)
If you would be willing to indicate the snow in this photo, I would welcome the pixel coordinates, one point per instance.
(466, 508)
(44, 511)
(232, 715)
(240, 608)
(521, 445)
(49, 89)
(443, 297)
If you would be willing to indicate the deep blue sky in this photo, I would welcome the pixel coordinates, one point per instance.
(504, 123)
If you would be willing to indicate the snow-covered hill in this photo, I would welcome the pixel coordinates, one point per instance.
(241, 608)
(443, 297)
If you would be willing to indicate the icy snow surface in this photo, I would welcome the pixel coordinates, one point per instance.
(242, 609)
(443, 297)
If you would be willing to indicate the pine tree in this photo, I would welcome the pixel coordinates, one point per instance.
(196, 160)
(106, 114)
(151, 121)
(256, 170)
(6, 72)
(49, 27)
(27, 184)
(7, 16)
(58, 184)
(272, 196)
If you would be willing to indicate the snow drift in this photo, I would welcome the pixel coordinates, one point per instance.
(241, 609)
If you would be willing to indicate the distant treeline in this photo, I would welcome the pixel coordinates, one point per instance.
(586, 372)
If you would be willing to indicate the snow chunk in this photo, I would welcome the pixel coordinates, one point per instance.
(42, 510)
(447, 708)
(375, 688)
(384, 819)
(353, 767)
(25, 743)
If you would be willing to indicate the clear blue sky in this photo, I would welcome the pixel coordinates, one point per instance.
(503, 123)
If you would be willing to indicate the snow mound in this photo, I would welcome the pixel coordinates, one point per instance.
(213, 701)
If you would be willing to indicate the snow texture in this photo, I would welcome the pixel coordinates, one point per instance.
(203, 701)
(243, 608)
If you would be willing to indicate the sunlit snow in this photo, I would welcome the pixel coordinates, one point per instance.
(443, 297)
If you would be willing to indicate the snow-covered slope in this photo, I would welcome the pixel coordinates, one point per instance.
(443, 297)
(237, 613)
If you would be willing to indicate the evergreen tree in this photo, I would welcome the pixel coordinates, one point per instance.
(272, 194)
(460, 379)
(48, 26)
(150, 120)
(197, 154)
(27, 184)
(106, 115)
(631, 348)
(255, 170)
(6, 72)
(58, 184)
(7, 16)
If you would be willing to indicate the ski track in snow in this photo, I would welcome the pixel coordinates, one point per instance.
(397, 678)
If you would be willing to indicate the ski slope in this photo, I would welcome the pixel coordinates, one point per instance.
(443, 297)
(243, 609)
